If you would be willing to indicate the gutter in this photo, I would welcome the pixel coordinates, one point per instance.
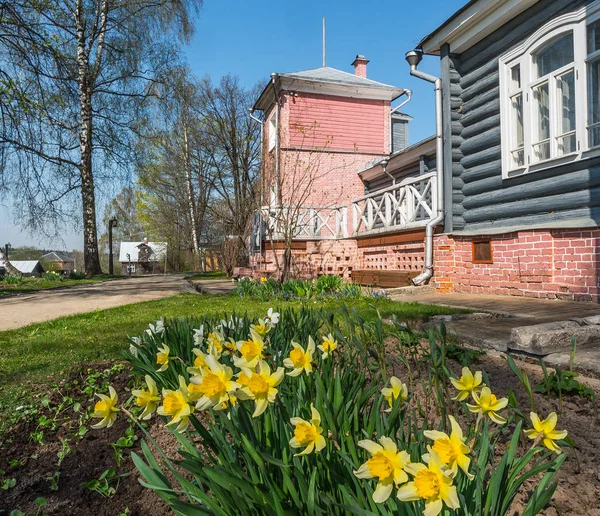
(414, 58)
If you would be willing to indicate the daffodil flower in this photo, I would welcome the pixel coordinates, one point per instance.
(431, 484)
(451, 449)
(200, 365)
(162, 358)
(148, 399)
(308, 434)
(467, 384)
(487, 403)
(329, 345)
(263, 279)
(215, 343)
(397, 390)
(272, 318)
(158, 328)
(136, 342)
(106, 409)
(386, 464)
(199, 336)
(176, 406)
(262, 328)
(300, 359)
(545, 431)
(215, 385)
(260, 386)
(251, 351)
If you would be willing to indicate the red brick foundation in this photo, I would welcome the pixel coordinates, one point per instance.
(555, 264)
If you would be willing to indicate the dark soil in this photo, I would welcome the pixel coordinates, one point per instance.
(578, 492)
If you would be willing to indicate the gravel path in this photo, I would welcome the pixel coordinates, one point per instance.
(21, 310)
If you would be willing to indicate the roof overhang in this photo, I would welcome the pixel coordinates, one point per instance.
(283, 82)
(401, 159)
(473, 22)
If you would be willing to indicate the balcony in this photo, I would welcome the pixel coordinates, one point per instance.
(306, 223)
(407, 205)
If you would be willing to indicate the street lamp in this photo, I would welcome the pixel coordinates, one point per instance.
(112, 223)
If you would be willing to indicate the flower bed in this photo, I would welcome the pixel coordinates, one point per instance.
(269, 423)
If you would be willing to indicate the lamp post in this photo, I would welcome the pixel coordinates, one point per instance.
(112, 223)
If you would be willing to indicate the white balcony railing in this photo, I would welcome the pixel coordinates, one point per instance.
(408, 204)
(306, 223)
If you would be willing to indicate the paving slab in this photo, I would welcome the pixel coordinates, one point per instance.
(586, 361)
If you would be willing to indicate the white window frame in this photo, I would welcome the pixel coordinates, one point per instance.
(522, 55)
(272, 129)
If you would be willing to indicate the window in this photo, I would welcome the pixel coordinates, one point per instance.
(272, 133)
(550, 94)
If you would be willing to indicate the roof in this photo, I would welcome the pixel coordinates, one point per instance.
(158, 250)
(55, 257)
(399, 159)
(330, 81)
(471, 23)
(26, 266)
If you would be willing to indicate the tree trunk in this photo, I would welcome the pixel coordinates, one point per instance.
(190, 194)
(88, 201)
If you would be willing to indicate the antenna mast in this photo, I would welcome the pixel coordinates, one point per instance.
(324, 44)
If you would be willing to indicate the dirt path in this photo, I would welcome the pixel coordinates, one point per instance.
(18, 311)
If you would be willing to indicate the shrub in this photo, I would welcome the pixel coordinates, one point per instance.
(13, 279)
(74, 275)
(52, 276)
(265, 442)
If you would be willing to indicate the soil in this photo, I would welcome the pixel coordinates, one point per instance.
(578, 491)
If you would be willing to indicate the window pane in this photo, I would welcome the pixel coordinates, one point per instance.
(566, 102)
(567, 144)
(557, 53)
(541, 148)
(516, 144)
(594, 102)
(593, 37)
(515, 77)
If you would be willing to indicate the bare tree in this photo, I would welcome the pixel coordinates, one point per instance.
(79, 73)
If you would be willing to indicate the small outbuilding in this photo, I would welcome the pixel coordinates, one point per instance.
(28, 267)
(58, 263)
(138, 258)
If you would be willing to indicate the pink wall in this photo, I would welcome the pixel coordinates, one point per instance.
(335, 123)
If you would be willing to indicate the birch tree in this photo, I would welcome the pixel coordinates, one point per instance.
(76, 77)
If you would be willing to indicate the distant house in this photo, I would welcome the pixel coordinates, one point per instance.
(58, 263)
(142, 257)
(28, 267)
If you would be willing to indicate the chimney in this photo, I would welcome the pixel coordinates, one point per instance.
(360, 66)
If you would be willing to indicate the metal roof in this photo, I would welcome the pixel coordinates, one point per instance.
(25, 266)
(132, 248)
(55, 257)
(335, 76)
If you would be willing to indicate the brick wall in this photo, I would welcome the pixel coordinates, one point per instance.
(556, 264)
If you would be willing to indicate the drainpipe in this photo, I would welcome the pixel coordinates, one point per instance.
(277, 184)
(408, 94)
(262, 130)
(414, 58)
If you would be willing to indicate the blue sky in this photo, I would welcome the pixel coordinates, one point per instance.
(251, 39)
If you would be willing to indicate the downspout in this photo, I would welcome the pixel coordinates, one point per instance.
(262, 130)
(414, 58)
(384, 163)
(277, 178)
(408, 94)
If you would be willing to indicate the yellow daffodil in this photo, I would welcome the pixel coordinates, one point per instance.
(176, 406)
(329, 345)
(545, 431)
(467, 384)
(215, 344)
(199, 366)
(263, 279)
(397, 390)
(215, 385)
(260, 386)
(387, 464)
(431, 484)
(487, 403)
(451, 449)
(162, 357)
(106, 409)
(148, 399)
(308, 434)
(251, 351)
(262, 328)
(300, 359)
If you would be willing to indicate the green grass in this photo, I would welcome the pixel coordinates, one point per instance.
(33, 284)
(40, 355)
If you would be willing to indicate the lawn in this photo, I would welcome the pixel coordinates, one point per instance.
(40, 355)
(34, 284)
